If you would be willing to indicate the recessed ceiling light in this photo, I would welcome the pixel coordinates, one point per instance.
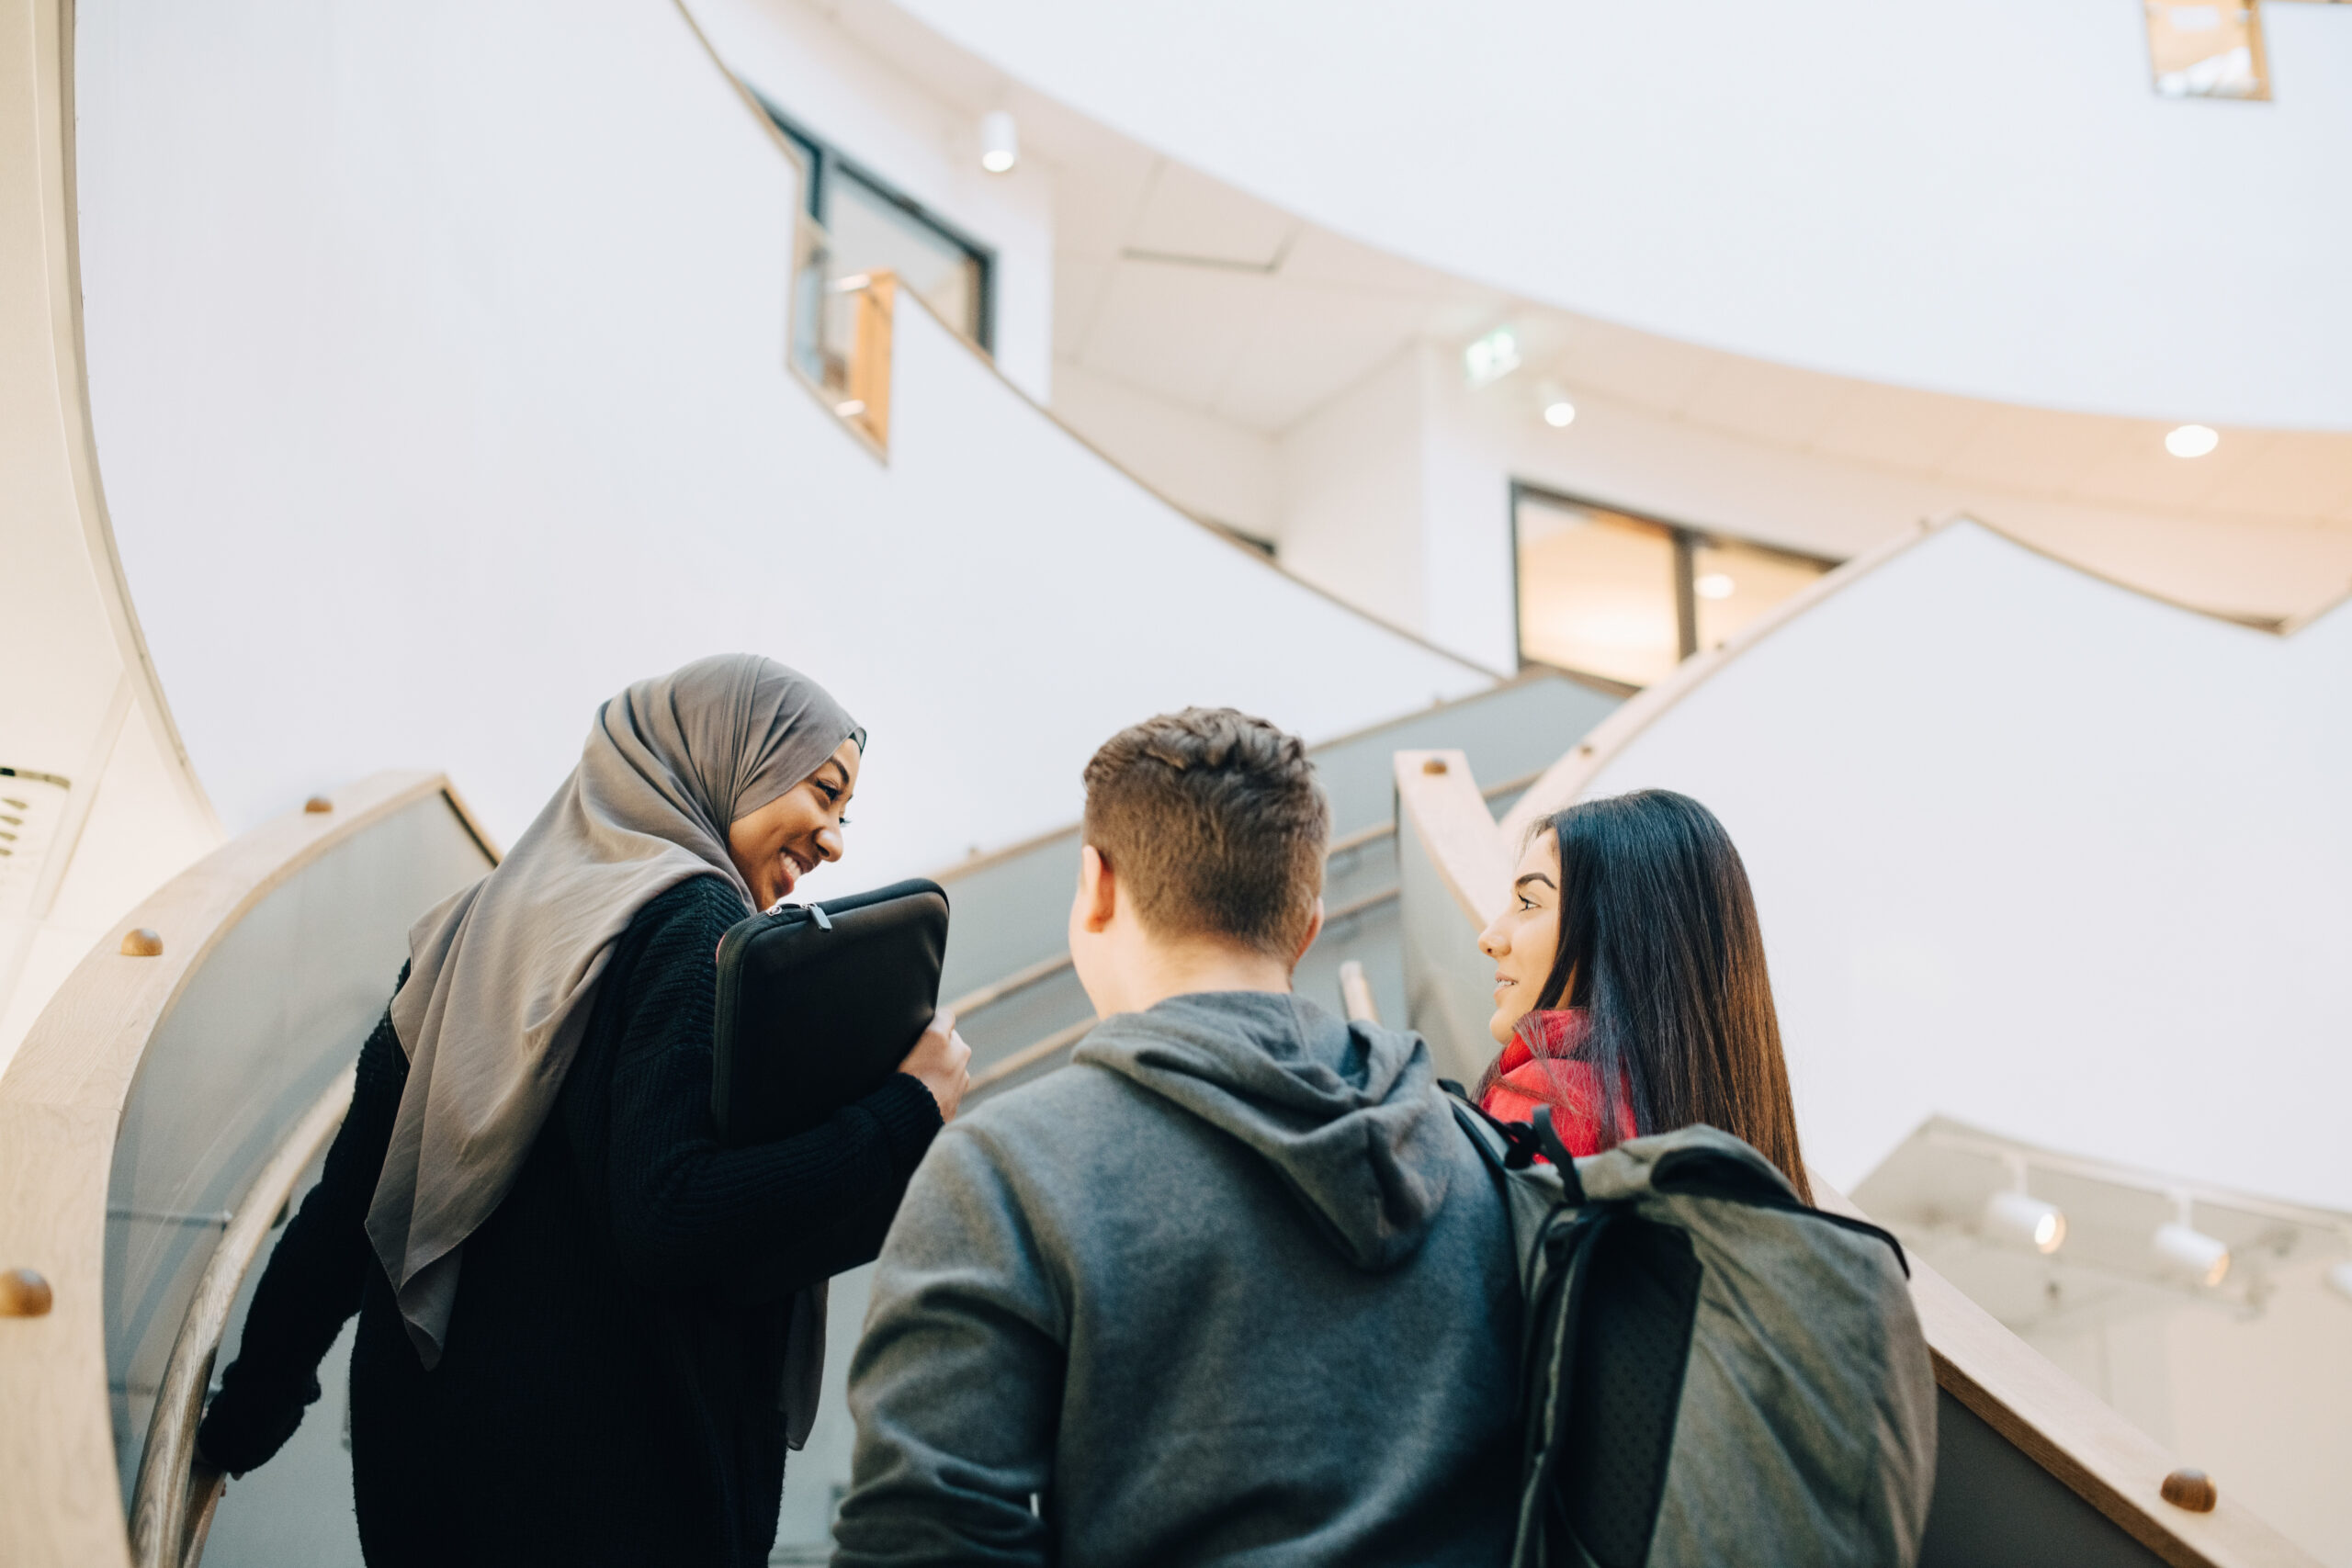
(1714, 585)
(2193, 441)
(1000, 142)
(1560, 414)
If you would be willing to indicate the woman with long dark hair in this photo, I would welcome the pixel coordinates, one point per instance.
(636, 1335)
(1631, 994)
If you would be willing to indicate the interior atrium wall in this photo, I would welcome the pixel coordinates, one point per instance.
(2040, 854)
(1212, 468)
(98, 802)
(439, 363)
(1352, 517)
(1397, 496)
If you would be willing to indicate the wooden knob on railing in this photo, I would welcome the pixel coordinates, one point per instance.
(2192, 1490)
(1432, 764)
(24, 1293)
(144, 942)
(317, 805)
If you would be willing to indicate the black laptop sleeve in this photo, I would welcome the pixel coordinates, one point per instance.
(818, 1004)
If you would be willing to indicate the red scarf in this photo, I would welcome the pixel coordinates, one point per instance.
(1540, 1066)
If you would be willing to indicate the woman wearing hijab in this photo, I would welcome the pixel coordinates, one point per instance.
(1630, 995)
(587, 1332)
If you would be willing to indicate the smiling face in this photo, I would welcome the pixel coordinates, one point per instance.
(1524, 939)
(786, 838)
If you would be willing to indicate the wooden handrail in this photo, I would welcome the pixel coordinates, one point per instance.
(169, 1517)
(1030, 1055)
(61, 1101)
(2035, 1407)
(1355, 994)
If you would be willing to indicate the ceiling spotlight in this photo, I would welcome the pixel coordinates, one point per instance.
(1000, 142)
(1491, 358)
(2023, 1221)
(1715, 585)
(2339, 1280)
(1552, 400)
(2193, 441)
(2191, 1254)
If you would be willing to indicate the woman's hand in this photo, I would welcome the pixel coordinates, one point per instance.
(941, 1062)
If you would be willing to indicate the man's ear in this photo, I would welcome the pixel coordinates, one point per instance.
(1314, 930)
(1097, 890)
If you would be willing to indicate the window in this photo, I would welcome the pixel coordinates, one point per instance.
(1606, 594)
(872, 227)
(2207, 48)
(867, 226)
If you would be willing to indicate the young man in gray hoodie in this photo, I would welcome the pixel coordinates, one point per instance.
(1232, 1287)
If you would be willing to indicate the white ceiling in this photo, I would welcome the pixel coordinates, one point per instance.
(1274, 316)
(1990, 199)
(1184, 288)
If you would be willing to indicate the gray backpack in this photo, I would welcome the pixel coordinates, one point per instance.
(1714, 1373)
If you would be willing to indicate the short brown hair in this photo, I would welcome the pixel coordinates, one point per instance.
(1215, 825)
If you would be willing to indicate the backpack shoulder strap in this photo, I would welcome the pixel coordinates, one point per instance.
(1508, 1147)
(1532, 1196)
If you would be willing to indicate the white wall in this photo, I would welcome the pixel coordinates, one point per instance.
(1352, 503)
(1989, 201)
(79, 702)
(841, 92)
(2043, 855)
(439, 362)
(1211, 467)
(1396, 496)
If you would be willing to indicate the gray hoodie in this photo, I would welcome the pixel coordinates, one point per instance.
(1231, 1288)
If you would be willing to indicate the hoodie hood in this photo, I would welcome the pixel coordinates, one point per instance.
(1347, 1115)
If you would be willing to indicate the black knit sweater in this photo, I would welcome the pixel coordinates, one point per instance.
(609, 1389)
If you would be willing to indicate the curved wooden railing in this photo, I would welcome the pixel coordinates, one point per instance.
(64, 1101)
(2040, 1414)
(172, 1502)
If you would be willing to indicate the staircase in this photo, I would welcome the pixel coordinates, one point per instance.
(1008, 976)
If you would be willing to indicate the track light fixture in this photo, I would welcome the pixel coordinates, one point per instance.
(2188, 1253)
(1000, 142)
(2017, 1217)
(2025, 1220)
(1552, 400)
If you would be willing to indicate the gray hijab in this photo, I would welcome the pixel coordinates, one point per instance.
(503, 975)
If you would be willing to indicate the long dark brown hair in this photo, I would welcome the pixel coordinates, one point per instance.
(1659, 945)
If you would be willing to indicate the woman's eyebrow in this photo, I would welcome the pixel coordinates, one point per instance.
(1533, 877)
(835, 763)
